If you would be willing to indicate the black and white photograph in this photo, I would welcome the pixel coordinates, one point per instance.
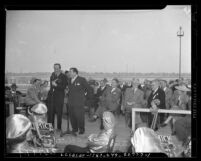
(99, 81)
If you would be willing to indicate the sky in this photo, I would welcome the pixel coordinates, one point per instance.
(98, 40)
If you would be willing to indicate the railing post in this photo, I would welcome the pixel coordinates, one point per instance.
(133, 120)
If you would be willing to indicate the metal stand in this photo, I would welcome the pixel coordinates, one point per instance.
(68, 130)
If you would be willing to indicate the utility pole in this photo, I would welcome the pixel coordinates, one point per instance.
(180, 33)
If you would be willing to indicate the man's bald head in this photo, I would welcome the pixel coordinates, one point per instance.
(155, 84)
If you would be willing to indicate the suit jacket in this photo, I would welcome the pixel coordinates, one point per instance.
(168, 97)
(159, 94)
(110, 100)
(32, 96)
(137, 97)
(90, 98)
(61, 82)
(174, 98)
(183, 102)
(77, 92)
(147, 91)
(100, 92)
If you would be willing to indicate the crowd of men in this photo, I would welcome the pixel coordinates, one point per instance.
(117, 98)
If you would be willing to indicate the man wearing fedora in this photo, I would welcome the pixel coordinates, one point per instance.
(181, 104)
(179, 97)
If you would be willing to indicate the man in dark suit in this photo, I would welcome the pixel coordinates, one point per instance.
(156, 101)
(58, 82)
(78, 87)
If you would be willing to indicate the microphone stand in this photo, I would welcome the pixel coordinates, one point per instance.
(67, 132)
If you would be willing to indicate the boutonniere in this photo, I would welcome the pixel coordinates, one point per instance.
(77, 84)
(114, 92)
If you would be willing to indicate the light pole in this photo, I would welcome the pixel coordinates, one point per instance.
(180, 33)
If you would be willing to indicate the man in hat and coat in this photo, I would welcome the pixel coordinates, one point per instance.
(181, 104)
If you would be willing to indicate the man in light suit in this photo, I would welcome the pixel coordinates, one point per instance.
(78, 86)
(133, 98)
(156, 98)
(109, 101)
(32, 96)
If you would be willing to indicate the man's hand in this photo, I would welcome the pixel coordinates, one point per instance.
(154, 109)
(54, 83)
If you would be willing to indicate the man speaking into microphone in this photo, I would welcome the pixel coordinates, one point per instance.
(58, 82)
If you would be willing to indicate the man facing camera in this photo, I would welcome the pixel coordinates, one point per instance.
(156, 101)
(134, 98)
(58, 82)
(78, 86)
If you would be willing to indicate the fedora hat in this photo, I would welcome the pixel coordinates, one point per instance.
(182, 88)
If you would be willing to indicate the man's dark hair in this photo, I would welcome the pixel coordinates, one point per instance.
(116, 80)
(74, 70)
(58, 65)
(66, 72)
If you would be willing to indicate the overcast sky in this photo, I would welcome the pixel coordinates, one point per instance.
(98, 41)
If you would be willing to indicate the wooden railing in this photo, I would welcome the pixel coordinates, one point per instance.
(134, 110)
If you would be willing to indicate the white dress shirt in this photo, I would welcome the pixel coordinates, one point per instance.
(112, 90)
(73, 79)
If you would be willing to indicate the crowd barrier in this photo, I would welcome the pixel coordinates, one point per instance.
(134, 110)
